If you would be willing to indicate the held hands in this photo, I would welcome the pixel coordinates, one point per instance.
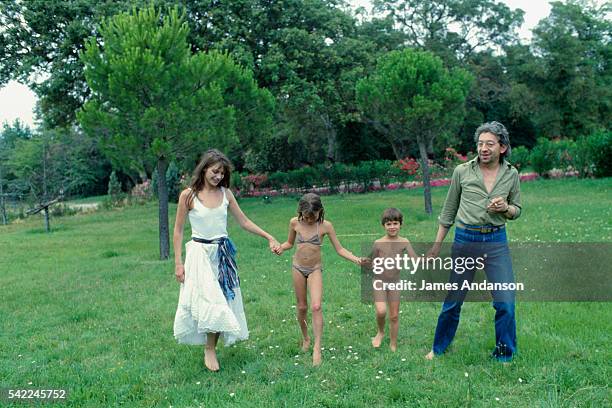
(434, 252)
(361, 261)
(179, 272)
(497, 205)
(275, 246)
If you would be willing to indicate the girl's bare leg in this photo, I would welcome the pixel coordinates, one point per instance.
(381, 314)
(315, 287)
(210, 353)
(299, 284)
(393, 323)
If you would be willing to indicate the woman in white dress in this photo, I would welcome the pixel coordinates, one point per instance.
(210, 301)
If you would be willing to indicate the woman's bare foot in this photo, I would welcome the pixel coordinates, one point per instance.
(316, 356)
(377, 339)
(210, 359)
(393, 347)
(306, 344)
(429, 356)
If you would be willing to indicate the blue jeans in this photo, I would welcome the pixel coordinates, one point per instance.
(498, 268)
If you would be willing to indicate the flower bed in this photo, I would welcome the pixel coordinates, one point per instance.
(358, 188)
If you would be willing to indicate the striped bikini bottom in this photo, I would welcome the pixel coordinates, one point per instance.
(305, 270)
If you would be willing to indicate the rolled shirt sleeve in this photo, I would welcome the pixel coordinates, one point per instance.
(453, 198)
(514, 196)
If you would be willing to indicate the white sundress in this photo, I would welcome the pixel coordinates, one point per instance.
(202, 307)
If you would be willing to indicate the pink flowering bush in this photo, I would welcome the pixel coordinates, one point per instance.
(255, 180)
(452, 158)
(409, 165)
(528, 176)
(143, 191)
(440, 182)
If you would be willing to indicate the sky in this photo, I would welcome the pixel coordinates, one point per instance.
(17, 100)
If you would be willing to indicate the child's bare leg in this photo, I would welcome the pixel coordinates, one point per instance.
(299, 284)
(210, 353)
(381, 314)
(315, 287)
(393, 323)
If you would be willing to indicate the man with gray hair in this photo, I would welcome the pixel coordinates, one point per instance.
(484, 194)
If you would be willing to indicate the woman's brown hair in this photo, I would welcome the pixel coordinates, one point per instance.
(210, 158)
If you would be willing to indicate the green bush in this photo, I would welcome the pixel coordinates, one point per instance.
(61, 210)
(114, 186)
(364, 172)
(553, 154)
(520, 157)
(305, 178)
(337, 176)
(115, 196)
(383, 171)
(332, 176)
(277, 180)
(238, 181)
(110, 202)
(173, 182)
(593, 155)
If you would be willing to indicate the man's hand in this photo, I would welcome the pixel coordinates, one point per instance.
(363, 261)
(434, 252)
(498, 205)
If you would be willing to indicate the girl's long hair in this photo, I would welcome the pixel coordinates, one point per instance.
(210, 158)
(310, 203)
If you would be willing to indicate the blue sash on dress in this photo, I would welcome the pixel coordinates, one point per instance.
(228, 271)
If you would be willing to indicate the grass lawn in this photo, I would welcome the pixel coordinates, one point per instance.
(89, 308)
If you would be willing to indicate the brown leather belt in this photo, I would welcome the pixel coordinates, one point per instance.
(483, 229)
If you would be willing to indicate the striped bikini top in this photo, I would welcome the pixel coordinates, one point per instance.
(314, 240)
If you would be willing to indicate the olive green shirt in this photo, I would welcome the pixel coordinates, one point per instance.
(467, 197)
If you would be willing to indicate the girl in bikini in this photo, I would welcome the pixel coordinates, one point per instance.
(307, 231)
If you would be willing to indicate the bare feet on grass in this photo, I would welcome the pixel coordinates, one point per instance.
(429, 356)
(210, 359)
(316, 356)
(377, 339)
(393, 347)
(306, 344)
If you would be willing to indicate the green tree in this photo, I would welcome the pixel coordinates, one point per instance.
(575, 86)
(412, 97)
(308, 53)
(9, 136)
(39, 46)
(153, 101)
(36, 163)
(497, 95)
(311, 50)
(453, 28)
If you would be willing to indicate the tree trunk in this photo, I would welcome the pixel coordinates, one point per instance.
(162, 195)
(47, 226)
(331, 145)
(426, 183)
(45, 195)
(3, 209)
(397, 150)
(331, 138)
(2, 200)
